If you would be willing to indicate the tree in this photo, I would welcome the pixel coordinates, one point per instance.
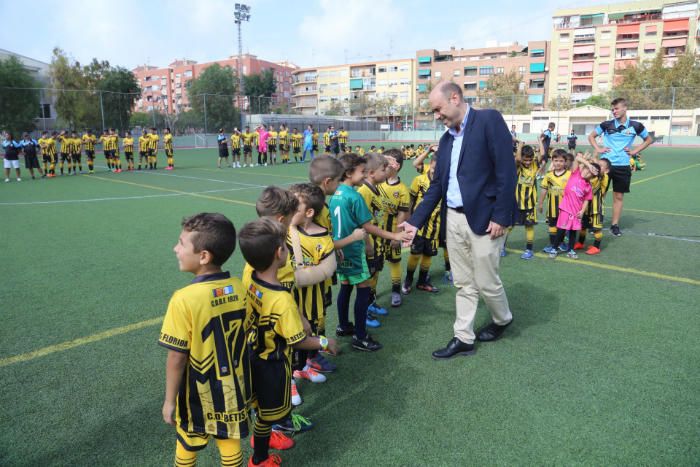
(649, 85)
(119, 89)
(386, 107)
(18, 107)
(335, 109)
(504, 94)
(216, 87)
(259, 89)
(74, 103)
(599, 100)
(361, 105)
(560, 103)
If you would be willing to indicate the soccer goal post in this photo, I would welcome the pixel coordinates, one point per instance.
(200, 140)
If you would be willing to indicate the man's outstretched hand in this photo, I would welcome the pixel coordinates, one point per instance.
(410, 233)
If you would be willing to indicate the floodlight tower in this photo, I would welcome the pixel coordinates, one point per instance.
(242, 13)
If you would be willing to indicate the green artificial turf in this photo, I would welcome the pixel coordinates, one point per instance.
(599, 367)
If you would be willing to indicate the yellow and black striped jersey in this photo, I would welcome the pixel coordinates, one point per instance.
(395, 198)
(283, 137)
(323, 219)
(128, 143)
(554, 184)
(208, 320)
(599, 188)
(296, 140)
(153, 143)
(276, 324)
(314, 138)
(272, 140)
(314, 249)
(143, 143)
(526, 189)
(168, 142)
(44, 145)
(65, 144)
(285, 275)
(89, 142)
(327, 138)
(114, 143)
(419, 186)
(374, 202)
(256, 138)
(104, 141)
(247, 139)
(343, 137)
(235, 141)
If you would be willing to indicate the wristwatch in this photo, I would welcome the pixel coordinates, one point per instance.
(323, 340)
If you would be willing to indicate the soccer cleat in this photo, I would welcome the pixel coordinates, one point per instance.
(448, 277)
(296, 398)
(406, 287)
(273, 460)
(572, 254)
(563, 248)
(7, 180)
(294, 424)
(504, 252)
(579, 246)
(593, 250)
(320, 364)
(377, 310)
(19, 179)
(278, 441)
(548, 249)
(396, 299)
(372, 321)
(553, 254)
(527, 254)
(310, 374)
(427, 287)
(367, 344)
(615, 230)
(347, 330)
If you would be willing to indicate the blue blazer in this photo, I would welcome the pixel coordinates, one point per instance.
(486, 174)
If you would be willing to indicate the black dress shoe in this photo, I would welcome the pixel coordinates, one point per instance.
(454, 348)
(491, 332)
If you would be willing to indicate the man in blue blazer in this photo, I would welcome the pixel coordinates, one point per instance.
(475, 182)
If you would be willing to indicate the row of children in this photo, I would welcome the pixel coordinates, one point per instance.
(267, 142)
(65, 150)
(574, 188)
(241, 345)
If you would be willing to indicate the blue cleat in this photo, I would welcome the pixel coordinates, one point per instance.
(563, 248)
(377, 310)
(527, 254)
(372, 321)
(548, 249)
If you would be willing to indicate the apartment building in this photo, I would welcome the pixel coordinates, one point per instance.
(591, 44)
(164, 88)
(382, 89)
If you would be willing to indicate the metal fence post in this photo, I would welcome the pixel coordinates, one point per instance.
(102, 112)
(670, 120)
(205, 116)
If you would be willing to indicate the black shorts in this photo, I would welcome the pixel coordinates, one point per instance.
(31, 162)
(108, 153)
(375, 264)
(115, 154)
(526, 217)
(592, 221)
(129, 155)
(572, 147)
(552, 222)
(327, 148)
(342, 147)
(296, 150)
(272, 388)
(236, 151)
(48, 159)
(142, 154)
(392, 255)
(65, 157)
(314, 147)
(424, 246)
(247, 149)
(621, 175)
(169, 152)
(76, 157)
(223, 151)
(272, 148)
(90, 153)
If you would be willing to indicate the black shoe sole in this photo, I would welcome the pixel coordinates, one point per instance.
(466, 353)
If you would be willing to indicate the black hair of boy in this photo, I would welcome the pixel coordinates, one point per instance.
(311, 195)
(350, 162)
(527, 152)
(559, 153)
(259, 241)
(214, 233)
(396, 154)
(324, 167)
(276, 201)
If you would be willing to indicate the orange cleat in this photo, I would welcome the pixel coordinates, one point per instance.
(592, 250)
(273, 460)
(579, 246)
(278, 441)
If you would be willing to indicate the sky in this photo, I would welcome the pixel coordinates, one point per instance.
(129, 33)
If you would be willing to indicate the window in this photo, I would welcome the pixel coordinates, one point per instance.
(521, 69)
(561, 86)
(521, 86)
(660, 117)
(482, 85)
(485, 70)
(604, 52)
(537, 53)
(499, 70)
(470, 86)
(563, 54)
(393, 69)
(604, 68)
(188, 73)
(605, 35)
(422, 88)
(564, 38)
(403, 68)
(603, 86)
(424, 73)
(563, 70)
(626, 53)
(381, 69)
(438, 74)
(456, 73)
(535, 98)
(536, 67)
(470, 71)
(650, 48)
(537, 83)
(45, 111)
(424, 60)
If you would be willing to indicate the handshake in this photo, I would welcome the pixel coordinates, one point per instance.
(407, 233)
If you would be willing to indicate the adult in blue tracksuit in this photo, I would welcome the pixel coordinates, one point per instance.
(11, 161)
(308, 143)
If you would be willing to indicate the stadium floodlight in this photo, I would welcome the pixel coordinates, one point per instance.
(241, 13)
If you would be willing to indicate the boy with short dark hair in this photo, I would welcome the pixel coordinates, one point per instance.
(552, 188)
(168, 145)
(247, 138)
(116, 160)
(153, 148)
(276, 329)
(526, 195)
(76, 152)
(128, 143)
(207, 321)
(89, 140)
(348, 213)
(143, 149)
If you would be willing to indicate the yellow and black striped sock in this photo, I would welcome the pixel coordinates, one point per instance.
(411, 267)
(552, 235)
(529, 236)
(170, 161)
(230, 451)
(598, 235)
(395, 271)
(183, 457)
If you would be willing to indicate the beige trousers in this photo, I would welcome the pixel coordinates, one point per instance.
(475, 260)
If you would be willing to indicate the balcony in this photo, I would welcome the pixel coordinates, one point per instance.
(585, 39)
(305, 92)
(583, 57)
